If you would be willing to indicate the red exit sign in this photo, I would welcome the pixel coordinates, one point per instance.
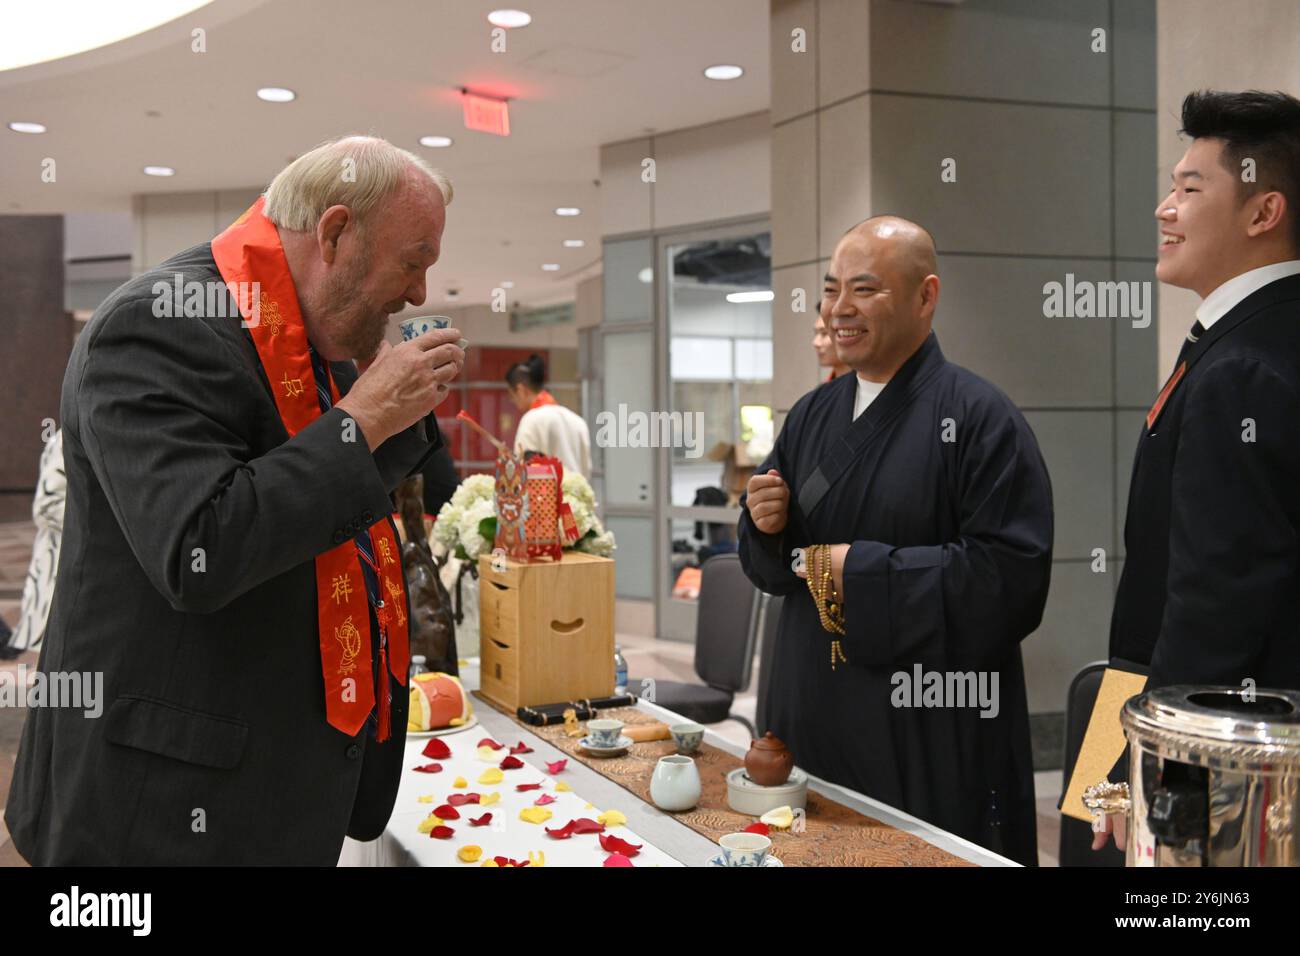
(485, 114)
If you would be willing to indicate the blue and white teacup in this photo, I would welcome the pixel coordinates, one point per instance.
(414, 328)
(744, 849)
(604, 732)
(687, 736)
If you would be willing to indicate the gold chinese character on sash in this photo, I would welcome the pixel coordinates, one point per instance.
(385, 551)
(342, 588)
(292, 386)
(350, 638)
(395, 593)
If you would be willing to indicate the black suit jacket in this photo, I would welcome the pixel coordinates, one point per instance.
(212, 746)
(1210, 592)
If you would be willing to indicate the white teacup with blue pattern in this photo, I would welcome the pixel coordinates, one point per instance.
(744, 849)
(414, 328)
(604, 732)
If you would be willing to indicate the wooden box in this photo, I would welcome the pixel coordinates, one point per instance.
(546, 630)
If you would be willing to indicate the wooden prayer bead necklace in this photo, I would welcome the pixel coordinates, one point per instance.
(821, 585)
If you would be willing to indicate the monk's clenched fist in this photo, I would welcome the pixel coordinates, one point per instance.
(768, 501)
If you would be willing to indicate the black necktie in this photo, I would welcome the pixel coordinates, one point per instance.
(1197, 330)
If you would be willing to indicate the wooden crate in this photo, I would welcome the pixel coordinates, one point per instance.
(546, 630)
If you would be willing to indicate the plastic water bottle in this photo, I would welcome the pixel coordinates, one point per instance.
(620, 671)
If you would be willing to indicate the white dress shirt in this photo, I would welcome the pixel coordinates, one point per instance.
(1227, 296)
(559, 432)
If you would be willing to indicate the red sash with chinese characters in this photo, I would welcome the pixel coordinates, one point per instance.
(249, 252)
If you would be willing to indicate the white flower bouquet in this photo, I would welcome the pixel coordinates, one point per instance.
(467, 524)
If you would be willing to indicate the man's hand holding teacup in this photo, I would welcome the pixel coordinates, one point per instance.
(401, 384)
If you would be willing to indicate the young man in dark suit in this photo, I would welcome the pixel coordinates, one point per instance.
(1210, 592)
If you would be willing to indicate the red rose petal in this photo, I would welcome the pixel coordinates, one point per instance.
(446, 812)
(430, 768)
(543, 800)
(460, 799)
(528, 786)
(613, 844)
(760, 828)
(511, 763)
(521, 748)
(616, 859)
(487, 742)
(481, 821)
(580, 825)
(441, 833)
(436, 749)
(556, 767)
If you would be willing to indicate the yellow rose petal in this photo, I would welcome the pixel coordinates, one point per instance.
(489, 862)
(488, 754)
(491, 775)
(536, 859)
(781, 818)
(460, 782)
(562, 787)
(534, 814)
(489, 798)
(588, 806)
(612, 818)
(429, 822)
(426, 799)
(470, 854)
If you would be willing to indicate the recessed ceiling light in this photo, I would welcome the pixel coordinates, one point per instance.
(509, 19)
(159, 171)
(646, 275)
(27, 127)
(550, 267)
(574, 243)
(276, 94)
(507, 284)
(435, 142)
(723, 71)
(739, 297)
(568, 211)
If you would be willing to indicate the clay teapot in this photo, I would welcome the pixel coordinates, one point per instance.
(768, 763)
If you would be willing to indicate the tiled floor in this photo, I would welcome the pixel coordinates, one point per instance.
(646, 657)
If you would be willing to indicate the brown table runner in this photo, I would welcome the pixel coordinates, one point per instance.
(834, 835)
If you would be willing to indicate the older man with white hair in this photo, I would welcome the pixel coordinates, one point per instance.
(229, 565)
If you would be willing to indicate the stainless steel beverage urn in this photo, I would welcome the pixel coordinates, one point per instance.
(1214, 777)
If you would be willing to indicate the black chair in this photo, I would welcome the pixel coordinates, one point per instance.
(769, 616)
(724, 647)
(1076, 836)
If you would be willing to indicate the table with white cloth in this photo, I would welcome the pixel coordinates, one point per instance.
(664, 840)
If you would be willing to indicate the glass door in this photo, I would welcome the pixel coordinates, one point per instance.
(716, 357)
(627, 384)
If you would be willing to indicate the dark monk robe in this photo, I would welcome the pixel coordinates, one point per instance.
(948, 511)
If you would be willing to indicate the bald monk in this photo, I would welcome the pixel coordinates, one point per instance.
(905, 513)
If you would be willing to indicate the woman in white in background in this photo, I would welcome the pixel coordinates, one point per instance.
(547, 426)
(47, 513)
